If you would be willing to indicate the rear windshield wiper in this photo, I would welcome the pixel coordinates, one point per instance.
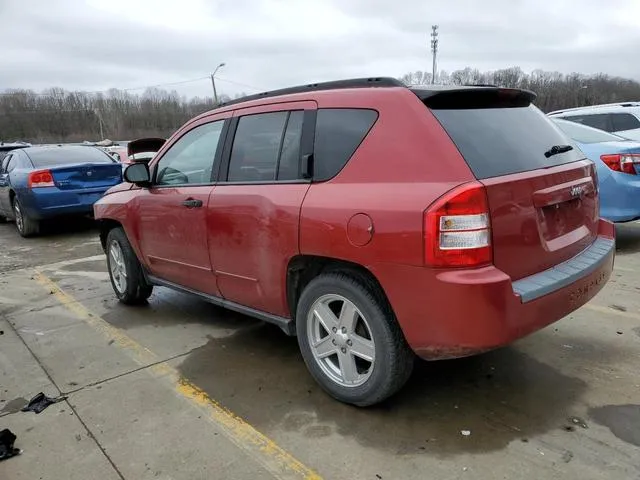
(556, 149)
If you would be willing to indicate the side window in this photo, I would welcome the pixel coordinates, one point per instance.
(599, 120)
(289, 165)
(339, 132)
(12, 162)
(190, 160)
(624, 121)
(256, 147)
(4, 162)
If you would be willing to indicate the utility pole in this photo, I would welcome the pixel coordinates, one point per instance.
(213, 83)
(434, 51)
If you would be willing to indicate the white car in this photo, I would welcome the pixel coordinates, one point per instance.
(623, 118)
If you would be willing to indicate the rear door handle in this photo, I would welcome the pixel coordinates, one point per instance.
(192, 203)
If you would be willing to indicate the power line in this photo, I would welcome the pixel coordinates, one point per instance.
(167, 84)
(95, 92)
(259, 89)
(106, 91)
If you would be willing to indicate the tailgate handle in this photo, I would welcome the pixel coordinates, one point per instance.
(192, 203)
(563, 192)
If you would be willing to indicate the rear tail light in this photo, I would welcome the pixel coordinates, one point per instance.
(40, 178)
(457, 231)
(622, 162)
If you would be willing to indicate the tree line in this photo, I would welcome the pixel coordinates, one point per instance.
(56, 115)
(555, 90)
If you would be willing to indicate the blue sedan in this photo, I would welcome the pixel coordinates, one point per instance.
(618, 165)
(37, 183)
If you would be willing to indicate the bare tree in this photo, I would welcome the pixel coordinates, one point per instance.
(56, 115)
(555, 90)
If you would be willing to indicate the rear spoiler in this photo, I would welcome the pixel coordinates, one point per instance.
(469, 97)
(144, 145)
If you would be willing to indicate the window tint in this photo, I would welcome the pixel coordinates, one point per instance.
(600, 121)
(256, 145)
(289, 166)
(584, 134)
(501, 141)
(624, 121)
(190, 160)
(339, 132)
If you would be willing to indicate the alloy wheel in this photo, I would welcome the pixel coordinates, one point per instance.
(341, 340)
(18, 214)
(117, 267)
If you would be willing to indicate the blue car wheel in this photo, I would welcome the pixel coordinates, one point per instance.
(27, 227)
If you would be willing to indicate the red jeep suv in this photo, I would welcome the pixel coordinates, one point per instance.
(372, 220)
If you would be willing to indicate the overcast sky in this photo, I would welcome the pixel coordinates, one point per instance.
(99, 44)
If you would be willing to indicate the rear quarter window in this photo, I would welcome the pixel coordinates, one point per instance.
(501, 141)
(339, 132)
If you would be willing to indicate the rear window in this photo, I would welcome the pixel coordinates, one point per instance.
(502, 141)
(584, 134)
(624, 121)
(54, 156)
(601, 121)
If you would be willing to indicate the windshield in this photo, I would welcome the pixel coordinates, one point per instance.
(583, 134)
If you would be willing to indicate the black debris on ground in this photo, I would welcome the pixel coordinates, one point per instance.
(7, 440)
(38, 403)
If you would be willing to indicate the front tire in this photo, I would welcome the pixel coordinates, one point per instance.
(125, 271)
(351, 341)
(27, 226)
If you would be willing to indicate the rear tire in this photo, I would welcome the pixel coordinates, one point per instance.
(366, 358)
(27, 226)
(125, 271)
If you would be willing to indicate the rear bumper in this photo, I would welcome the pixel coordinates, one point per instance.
(50, 202)
(456, 313)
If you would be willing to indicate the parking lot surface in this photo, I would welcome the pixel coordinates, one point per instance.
(182, 389)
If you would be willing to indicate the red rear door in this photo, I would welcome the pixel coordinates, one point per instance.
(254, 212)
(541, 191)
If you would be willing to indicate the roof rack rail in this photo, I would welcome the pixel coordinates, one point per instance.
(316, 87)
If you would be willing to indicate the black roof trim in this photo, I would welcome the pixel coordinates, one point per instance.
(316, 87)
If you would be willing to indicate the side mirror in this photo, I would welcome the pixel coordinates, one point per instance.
(138, 174)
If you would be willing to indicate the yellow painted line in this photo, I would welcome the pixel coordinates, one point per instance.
(261, 448)
(612, 311)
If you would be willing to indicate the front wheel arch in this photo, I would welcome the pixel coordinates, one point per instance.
(106, 225)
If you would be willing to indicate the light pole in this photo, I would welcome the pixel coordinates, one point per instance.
(213, 82)
(434, 50)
